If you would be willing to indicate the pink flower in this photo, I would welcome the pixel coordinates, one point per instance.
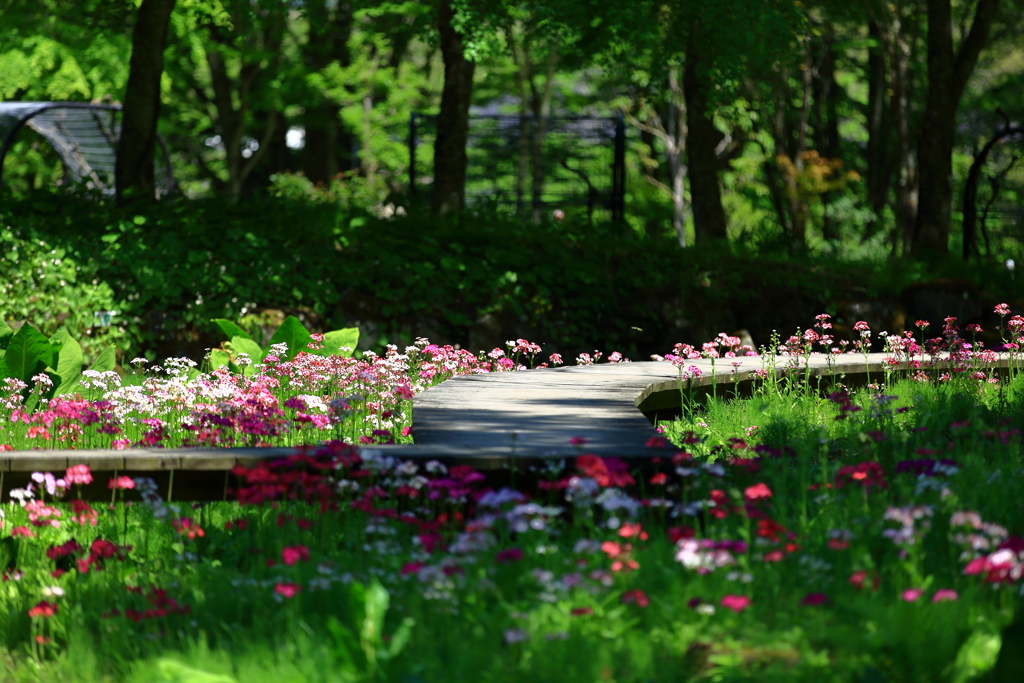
(911, 594)
(288, 590)
(5, 447)
(21, 531)
(292, 554)
(944, 595)
(121, 482)
(78, 474)
(1002, 309)
(737, 603)
(757, 492)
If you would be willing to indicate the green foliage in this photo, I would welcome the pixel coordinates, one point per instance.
(569, 285)
(292, 333)
(28, 353)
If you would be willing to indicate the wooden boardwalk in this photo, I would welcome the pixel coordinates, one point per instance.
(491, 420)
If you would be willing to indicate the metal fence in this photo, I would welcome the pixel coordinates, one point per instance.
(532, 165)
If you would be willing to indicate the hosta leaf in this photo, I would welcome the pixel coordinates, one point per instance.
(292, 333)
(244, 345)
(5, 334)
(106, 360)
(219, 358)
(230, 329)
(334, 340)
(28, 354)
(69, 366)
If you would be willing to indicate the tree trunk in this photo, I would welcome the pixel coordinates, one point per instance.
(449, 190)
(133, 173)
(541, 105)
(826, 119)
(325, 153)
(702, 140)
(947, 78)
(879, 174)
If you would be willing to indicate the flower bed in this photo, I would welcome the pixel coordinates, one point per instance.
(868, 534)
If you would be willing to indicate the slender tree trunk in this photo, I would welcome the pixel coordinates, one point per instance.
(133, 173)
(541, 99)
(826, 119)
(325, 152)
(879, 168)
(702, 140)
(947, 77)
(449, 190)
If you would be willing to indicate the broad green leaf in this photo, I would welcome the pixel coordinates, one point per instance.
(106, 360)
(244, 345)
(229, 328)
(5, 334)
(173, 671)
(69, 366)
(292, 333)
(60, 336)
(219, 358)
(334, 340)
(29, 353)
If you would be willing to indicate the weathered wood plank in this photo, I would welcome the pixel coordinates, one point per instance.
(491, 420)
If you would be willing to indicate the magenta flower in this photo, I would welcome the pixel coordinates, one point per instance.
(288, 590)
(945, 595)
(510, 555)
(737, 603)
(813, 599)
(292, 554)
(911, 594)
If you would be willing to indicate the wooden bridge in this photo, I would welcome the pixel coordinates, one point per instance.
(489, 421)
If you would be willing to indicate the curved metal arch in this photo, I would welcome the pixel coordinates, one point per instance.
(41, 107)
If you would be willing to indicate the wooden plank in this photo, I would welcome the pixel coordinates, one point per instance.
(491, 420)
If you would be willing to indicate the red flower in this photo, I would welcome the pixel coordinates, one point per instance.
(859, 579)
(43, 609)
(605, 471)
(628, 530)
(659, 479)
(773, 556)
(757, 492)
(188, 527)
(866, 474)
(678, 533)
(636, 597)
(770, 529)
(21, 531)
(582, 611)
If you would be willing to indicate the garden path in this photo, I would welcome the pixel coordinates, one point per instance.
(488, 420)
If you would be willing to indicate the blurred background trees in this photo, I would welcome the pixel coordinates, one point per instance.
(819, 126)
